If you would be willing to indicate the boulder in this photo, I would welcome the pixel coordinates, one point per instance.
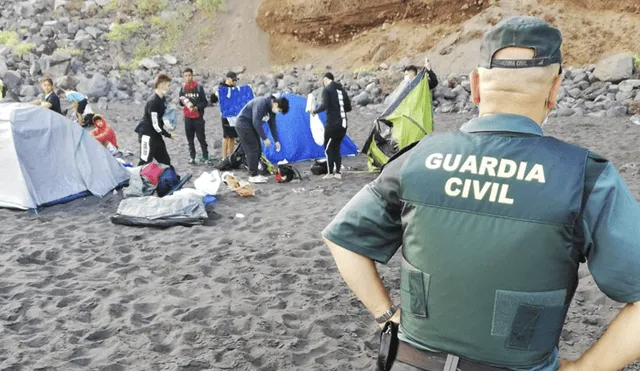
(28, 91)
(362, 99)
(96, 87)
(617, 111)
(149, 64)
(634, 107)
(170, 59)
(629, 85)
(615, 68)
(12, 80)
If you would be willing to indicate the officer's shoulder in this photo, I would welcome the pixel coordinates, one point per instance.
(400, 153)
(596, 157)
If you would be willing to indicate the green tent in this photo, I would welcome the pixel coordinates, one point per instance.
(407, 119)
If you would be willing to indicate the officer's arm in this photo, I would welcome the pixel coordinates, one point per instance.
(369, 229)
(612, 223)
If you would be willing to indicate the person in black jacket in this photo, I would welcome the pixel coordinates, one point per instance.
(336, 102)
(194, 100)
(51, 100)
(152, 146)
(410, 72)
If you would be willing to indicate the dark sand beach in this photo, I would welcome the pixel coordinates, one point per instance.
(259, 292)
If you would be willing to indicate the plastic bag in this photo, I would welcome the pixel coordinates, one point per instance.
(209, 183)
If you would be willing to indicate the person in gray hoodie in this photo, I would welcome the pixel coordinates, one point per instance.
(250, 130)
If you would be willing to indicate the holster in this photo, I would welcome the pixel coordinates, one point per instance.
(388, 346)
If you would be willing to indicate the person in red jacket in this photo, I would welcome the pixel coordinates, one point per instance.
(103, 132)
(194, 101)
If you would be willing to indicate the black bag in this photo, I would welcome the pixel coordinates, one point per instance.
(319, 168)
(234, 161)
(286, 173)
(388, 346)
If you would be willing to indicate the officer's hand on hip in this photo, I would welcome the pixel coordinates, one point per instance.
(277, 146)
(267, 143)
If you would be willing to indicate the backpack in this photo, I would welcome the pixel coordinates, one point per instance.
(167, 180)
(286, 173)
(234, 161)
(319, 168)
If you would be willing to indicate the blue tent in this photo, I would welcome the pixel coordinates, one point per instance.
(296, 139)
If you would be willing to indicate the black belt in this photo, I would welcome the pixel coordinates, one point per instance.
(431, 361)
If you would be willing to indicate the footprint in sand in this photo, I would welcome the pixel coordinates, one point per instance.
(291, 321)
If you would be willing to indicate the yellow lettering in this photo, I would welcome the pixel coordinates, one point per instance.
(470, 165)
(448, 166)
(448, 187)
(536, 173)
(488, 165)
(434, 161)
(507, 168)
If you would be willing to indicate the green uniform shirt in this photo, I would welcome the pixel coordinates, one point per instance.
(562, 203)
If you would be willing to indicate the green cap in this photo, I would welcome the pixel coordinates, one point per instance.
(522, 32)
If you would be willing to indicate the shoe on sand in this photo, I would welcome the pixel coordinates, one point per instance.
(192, 161)
(337, 176)
(328, 176)
(258, 179)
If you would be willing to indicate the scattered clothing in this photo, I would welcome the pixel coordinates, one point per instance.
(103, 132)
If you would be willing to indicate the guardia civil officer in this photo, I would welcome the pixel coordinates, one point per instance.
(494, 221)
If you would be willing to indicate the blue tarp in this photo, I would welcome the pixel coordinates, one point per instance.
(232, 100)
(295, 135)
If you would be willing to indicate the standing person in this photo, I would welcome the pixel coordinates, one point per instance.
(335, 101)
(251, 132)
(410, 72)
(194, 101)
(80, 103)
(51, 100)
(494, 221)
(152, 146)
(229, 133)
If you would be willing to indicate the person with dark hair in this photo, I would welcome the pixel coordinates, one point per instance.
(194, 100)
(251, 132)
(229, 133)
(80, 102)
(336, 102)
(51, 100)
(410, 72)
(152, 146)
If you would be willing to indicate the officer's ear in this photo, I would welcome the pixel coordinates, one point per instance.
(474, 80)
(553, 93)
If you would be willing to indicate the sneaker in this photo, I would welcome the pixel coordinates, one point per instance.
(328, 176)
(337, 176)
(258, 179)
(192, 161)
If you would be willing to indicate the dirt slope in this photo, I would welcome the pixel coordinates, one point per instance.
(365, 33)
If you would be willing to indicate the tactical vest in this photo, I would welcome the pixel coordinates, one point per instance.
(489, 259)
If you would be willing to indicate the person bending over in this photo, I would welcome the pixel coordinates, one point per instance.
(80, 103)
(251, 132)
